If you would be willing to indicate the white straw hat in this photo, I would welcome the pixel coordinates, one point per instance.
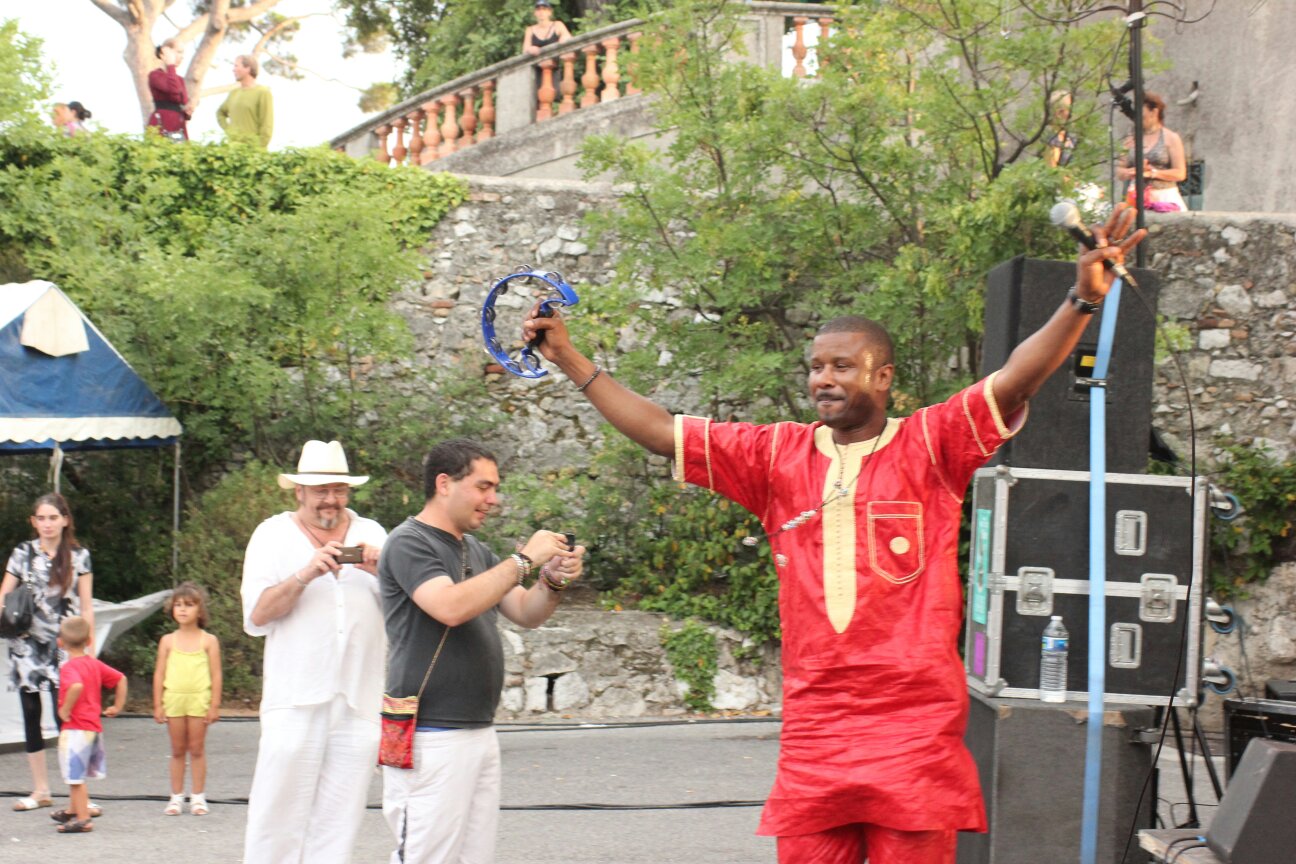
(319, 465)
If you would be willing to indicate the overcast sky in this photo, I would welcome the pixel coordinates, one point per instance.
(84, 47)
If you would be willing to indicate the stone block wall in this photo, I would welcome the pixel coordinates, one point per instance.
(599, 665)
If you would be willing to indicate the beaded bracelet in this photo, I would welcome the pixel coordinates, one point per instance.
(553, 584)
(598, 370)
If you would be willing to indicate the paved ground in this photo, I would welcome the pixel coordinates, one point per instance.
(638, 768)
(629, 774)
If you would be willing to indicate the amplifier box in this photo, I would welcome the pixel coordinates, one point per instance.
(1030, 757)
(1245, 719)
(1030, 560)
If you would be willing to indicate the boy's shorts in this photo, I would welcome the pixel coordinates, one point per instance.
(81, 756)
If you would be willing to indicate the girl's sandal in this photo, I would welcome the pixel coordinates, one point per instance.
(31, 802)
(76, 826)
(174, 805)
(198, 804)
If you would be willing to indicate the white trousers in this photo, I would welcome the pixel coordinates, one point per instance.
(310, 787)
(445, 810)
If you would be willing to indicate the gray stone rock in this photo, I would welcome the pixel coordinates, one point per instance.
(568, 232)
(575, 249)
(464, 229)
(537, 695)
(1234, 236)
(1234, 300)
(549, 248)
(545, 202)
(1235, 369)
(513, 700)
(734, 693)
(1208, 340)
(1272, 299)
(549, 662)
(570, 692)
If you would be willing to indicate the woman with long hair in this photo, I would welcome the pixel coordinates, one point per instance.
(57, 571)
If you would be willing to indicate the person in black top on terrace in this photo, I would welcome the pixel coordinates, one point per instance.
(545, 32)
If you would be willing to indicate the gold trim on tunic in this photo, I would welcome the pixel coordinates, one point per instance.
(840, 543)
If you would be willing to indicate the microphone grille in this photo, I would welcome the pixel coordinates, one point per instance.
(1065, 213)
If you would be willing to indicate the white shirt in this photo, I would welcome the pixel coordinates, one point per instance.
(333, 641)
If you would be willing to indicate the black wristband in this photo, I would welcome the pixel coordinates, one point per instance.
(1083, 306)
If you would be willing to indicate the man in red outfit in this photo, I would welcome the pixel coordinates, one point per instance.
(862, 514)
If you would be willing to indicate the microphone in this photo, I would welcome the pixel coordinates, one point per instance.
(1066, 215)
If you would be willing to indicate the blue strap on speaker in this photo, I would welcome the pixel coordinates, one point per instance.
(1097, 574)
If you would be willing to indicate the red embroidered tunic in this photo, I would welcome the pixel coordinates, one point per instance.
(870, 603)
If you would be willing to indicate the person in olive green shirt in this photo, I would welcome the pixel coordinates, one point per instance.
(248, 113)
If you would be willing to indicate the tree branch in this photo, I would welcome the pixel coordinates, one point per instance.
(115, 12)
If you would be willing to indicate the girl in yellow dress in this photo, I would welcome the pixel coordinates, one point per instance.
(187, 693)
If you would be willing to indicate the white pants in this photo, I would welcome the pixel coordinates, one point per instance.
(311, 783)
(445, 810)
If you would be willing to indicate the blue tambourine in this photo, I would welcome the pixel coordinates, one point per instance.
(528, 364)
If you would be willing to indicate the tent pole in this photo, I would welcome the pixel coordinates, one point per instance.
(175, 517)
(56, 466)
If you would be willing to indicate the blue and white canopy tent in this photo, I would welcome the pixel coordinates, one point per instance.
(63, 387)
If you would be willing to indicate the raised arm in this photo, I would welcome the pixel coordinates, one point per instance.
(1041, 353)
(639, 419)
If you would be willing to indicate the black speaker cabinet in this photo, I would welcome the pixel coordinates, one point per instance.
(1021, 295)
(1254, 824)
(1244, 720)
(1030, 757)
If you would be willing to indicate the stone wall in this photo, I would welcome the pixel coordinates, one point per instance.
(612, 664)
(1229, 279)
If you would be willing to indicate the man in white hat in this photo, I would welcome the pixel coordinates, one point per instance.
(310, 588)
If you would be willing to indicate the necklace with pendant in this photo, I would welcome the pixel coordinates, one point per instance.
(840, 490)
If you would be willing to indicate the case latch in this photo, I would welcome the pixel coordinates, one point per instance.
(1035, 591)
(1131, 532)
(1126, 648)
(1157, 601)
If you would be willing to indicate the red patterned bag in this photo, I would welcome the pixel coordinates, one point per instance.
(399, 719)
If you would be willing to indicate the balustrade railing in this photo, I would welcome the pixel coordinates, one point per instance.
(590, 69)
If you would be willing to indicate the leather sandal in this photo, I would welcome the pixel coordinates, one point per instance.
(76, 826)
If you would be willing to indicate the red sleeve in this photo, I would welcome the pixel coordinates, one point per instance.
(108, 675)
(167, 86)
(729, 458)
(962, 433)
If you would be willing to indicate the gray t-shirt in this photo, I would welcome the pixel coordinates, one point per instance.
(464, 689)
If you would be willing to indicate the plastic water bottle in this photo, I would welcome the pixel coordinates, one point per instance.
(1053, 661)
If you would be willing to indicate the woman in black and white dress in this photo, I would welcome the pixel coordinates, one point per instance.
(57, 570)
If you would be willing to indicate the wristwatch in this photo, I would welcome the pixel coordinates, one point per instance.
(1083, 306)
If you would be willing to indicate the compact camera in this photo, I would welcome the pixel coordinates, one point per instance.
(351, 555)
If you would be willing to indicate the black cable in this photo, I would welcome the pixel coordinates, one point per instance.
(581, 807)
(1180, 853)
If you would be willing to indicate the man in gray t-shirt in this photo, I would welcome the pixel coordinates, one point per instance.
(441, 590)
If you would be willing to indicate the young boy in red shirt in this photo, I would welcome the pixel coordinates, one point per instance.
(82, 757)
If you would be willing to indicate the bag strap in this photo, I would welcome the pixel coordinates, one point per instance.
(463, 574)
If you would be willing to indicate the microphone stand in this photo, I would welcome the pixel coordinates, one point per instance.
(1136, 20)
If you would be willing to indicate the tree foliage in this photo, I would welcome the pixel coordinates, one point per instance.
(887, 186)
(24, 83)
(438, 41)
(250, 290)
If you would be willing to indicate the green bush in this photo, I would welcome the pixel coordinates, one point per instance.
(1245, 550)
(693, 655)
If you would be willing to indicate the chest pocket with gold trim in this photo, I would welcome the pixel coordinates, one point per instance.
(895, 540)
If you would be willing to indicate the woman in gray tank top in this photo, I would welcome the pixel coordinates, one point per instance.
(1164, 165)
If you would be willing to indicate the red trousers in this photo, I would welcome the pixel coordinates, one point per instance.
(852, 844)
